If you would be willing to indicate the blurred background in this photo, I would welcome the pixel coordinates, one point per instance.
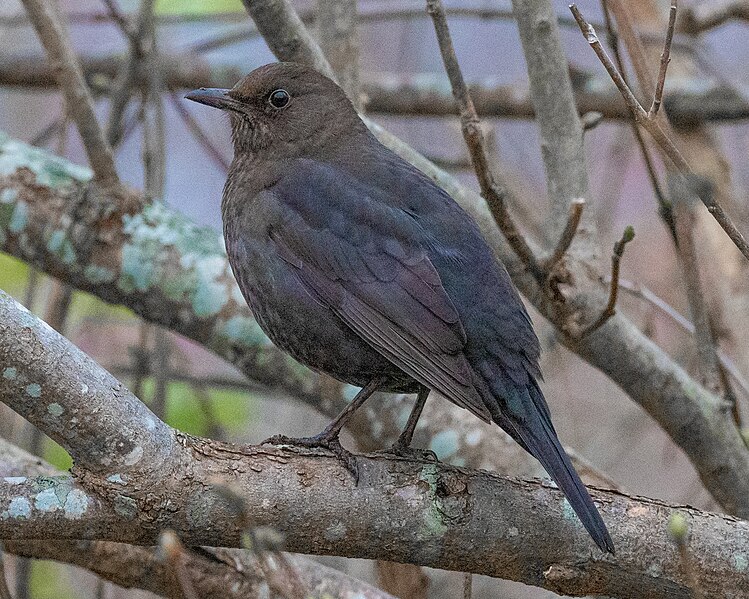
(199, 393)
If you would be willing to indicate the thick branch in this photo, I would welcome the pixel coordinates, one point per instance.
(176, 275)
(233, 575)
(687, 100)
(80, 105)
(339, 39)
(557, 118)
(456, 519)
(285, 33)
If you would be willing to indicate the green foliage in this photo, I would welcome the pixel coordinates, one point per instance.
(231, 410)
(57, 456)
(50, 580)
(197, 7)
(678, 527)
(13, 275)
(629, 234)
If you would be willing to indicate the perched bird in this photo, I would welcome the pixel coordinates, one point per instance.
(359, 266)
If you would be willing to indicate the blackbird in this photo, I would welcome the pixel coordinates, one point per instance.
(359, 266)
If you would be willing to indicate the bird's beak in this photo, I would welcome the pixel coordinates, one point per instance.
(212, 96)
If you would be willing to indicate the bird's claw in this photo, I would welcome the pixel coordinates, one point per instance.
(329, 442)
(411, 453)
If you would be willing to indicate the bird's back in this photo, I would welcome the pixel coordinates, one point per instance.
(501, 346)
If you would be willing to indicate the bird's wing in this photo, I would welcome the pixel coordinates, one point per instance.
(365, 261)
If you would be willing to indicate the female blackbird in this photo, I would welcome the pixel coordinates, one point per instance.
(359, 266)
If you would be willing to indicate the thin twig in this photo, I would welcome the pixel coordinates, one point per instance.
(649, 296)
(162, 351)
(678, 530)
(708, 15)
(213, 428)
(568, 234)
(665, 59)
(4, 590)
(664, 206)
(174, 554)
(140, 357)
(113, 10)
(474, 137)
(338, 36)
(140, 43)
(616, 258)
(467, 585)
(152, 116)
(652, 126)
(681, 191)
(45, 16)
(197, 132)
(684, 219)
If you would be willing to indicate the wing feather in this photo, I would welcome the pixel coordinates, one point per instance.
(374, 273)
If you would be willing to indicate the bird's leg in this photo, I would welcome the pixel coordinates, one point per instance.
(402, 446)
(328, 438)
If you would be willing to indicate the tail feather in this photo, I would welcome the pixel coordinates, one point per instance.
(540, 439)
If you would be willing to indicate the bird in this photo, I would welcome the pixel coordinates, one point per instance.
(359, 266)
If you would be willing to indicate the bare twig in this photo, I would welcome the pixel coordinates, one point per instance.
(568, 234)
(119, 96)
(113, 10)
(684, 219)
(54, 36)
(197, 131)
(665, 59)
(682, 189)
(154, 142)
(664, 206)
(616, 258)
(4, 590)
(467, 585)
(370, 11)
(653, 127)
(173, 553)
(474, 137)
(162, 350)
(708, 15)
(678, 530)
(647, 295)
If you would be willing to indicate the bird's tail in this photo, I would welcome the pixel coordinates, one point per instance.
(537, 435)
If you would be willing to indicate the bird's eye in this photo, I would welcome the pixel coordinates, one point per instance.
(279, 98)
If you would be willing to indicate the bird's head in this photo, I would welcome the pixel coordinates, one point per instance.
(285, 108)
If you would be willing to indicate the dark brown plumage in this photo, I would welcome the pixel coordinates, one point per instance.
(359, 266)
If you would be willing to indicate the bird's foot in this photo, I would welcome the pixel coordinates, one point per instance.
(412, 453)
(325, 441)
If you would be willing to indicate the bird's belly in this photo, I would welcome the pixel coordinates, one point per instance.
(310, 332)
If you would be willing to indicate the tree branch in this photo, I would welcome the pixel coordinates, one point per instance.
(653, 125)
(688, 100)
(557, 119)
(183, 281)
(54, 36)
(337, 31)
(309, 496)
(493, 193)
(709, 15)
(616, 258)
(286, 35)
(233, 574)
(684, 204)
